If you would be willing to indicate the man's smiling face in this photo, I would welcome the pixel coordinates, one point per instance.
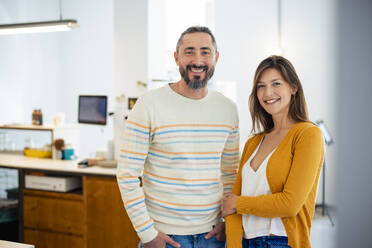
(196, 58)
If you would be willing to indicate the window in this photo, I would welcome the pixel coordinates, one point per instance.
(167, 20)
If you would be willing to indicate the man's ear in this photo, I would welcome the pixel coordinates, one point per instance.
(175, 54)
(217, 56)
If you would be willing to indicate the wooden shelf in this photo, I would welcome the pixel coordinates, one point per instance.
(36, 127)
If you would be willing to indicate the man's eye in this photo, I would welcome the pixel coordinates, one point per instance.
(189, 53)
(206, 53)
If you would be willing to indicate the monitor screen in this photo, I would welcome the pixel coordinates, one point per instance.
(93, 109)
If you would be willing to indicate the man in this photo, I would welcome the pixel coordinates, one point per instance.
(184, 142)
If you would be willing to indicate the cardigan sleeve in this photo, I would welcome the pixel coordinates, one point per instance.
(306, 164)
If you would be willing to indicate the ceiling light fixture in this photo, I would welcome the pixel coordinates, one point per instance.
(279, 50)
(38, 27)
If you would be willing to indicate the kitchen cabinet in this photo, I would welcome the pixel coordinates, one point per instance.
(90, 217)
(108, 225)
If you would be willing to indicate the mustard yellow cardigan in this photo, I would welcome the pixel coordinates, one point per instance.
(292, 173)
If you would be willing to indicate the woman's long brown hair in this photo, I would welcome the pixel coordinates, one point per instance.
(263, 121)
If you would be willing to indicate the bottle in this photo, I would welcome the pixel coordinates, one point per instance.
(40, 117)
(37, 117)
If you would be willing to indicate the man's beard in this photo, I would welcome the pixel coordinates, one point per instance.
(197, 82)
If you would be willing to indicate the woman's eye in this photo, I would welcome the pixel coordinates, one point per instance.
(260, 86)
(276, 83)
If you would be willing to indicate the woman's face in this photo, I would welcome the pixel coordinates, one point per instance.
(274, 93)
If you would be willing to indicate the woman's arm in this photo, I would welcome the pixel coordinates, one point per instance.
(306, 164)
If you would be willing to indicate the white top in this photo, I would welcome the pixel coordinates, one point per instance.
(254, 183)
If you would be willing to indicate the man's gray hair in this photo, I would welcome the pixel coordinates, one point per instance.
(196, 29)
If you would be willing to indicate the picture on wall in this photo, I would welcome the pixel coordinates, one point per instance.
(131, 102)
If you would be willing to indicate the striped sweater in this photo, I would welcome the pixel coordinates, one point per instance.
(187, 153)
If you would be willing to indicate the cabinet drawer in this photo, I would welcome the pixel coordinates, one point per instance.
(43, 239)
(53, 214)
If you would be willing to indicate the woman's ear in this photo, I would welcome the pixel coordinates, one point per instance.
(294, 89)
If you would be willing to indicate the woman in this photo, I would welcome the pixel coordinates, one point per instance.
(273, 199)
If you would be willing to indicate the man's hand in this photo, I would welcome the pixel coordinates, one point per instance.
(218, 231)
(161, 241)
(229, 204)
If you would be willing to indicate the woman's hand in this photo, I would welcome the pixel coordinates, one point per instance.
(229, 204)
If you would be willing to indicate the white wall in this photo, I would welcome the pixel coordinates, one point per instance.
(157, 39)
(50, 70)
(246, 33)
(86, 58)
(309, 40)
(131, 56)
(29, 70)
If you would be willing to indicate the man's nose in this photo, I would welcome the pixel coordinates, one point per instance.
(198, 59)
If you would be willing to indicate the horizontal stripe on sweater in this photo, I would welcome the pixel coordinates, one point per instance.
(183, 158)
(187, 167)
(146, 228)
(183, 217)
(181, 125)
(183, 179)
(210, 188)
(150, 202)
(178, 153)
(191, 193)
(181, 184)
(183, 205)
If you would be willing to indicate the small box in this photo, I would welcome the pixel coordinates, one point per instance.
(52, 183)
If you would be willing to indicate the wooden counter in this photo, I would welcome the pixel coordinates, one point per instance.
(93, 216)
(45, 164)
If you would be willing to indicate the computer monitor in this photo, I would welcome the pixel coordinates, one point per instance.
(92, 109)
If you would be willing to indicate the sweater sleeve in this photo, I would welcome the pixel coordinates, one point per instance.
(133, 154)
(230, 156)
(306, 163)
(234, 226)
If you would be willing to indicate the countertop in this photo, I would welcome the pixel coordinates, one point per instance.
(70, 166)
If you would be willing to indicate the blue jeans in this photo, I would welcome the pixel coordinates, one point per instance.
(266, 242)
(195, 241)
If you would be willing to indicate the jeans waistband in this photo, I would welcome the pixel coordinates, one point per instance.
(268, 238)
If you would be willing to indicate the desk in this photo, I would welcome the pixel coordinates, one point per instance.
(91, 217)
